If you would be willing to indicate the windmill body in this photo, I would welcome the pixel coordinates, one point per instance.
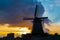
(37, 27)
(37, 23)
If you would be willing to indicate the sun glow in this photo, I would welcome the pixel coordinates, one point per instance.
(5, 29)
(53, 28)
(18, 31)
(25, 30)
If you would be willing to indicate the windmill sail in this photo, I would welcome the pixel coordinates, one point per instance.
(35, 15)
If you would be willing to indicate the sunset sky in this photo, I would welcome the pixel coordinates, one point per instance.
(12, 12)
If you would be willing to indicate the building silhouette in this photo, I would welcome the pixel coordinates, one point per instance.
(10, 36)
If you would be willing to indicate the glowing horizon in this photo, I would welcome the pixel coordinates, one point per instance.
(5, 29)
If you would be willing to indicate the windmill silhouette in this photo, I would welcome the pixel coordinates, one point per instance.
(37, 23)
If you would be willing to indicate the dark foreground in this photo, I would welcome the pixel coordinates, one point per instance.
(32, 37)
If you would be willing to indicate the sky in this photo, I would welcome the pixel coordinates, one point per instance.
(52, 9)
(12, 12)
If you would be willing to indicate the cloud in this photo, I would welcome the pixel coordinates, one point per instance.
(14, 13)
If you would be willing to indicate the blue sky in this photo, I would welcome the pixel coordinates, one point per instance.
(12, 11)
(52, 8)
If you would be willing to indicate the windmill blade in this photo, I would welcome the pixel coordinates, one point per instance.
(27, 18)
(35, 15)
(43, 18)
(47, 21)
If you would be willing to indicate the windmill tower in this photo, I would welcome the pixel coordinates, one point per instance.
(37, 23)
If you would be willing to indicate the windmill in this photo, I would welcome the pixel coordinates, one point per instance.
(37, 23)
